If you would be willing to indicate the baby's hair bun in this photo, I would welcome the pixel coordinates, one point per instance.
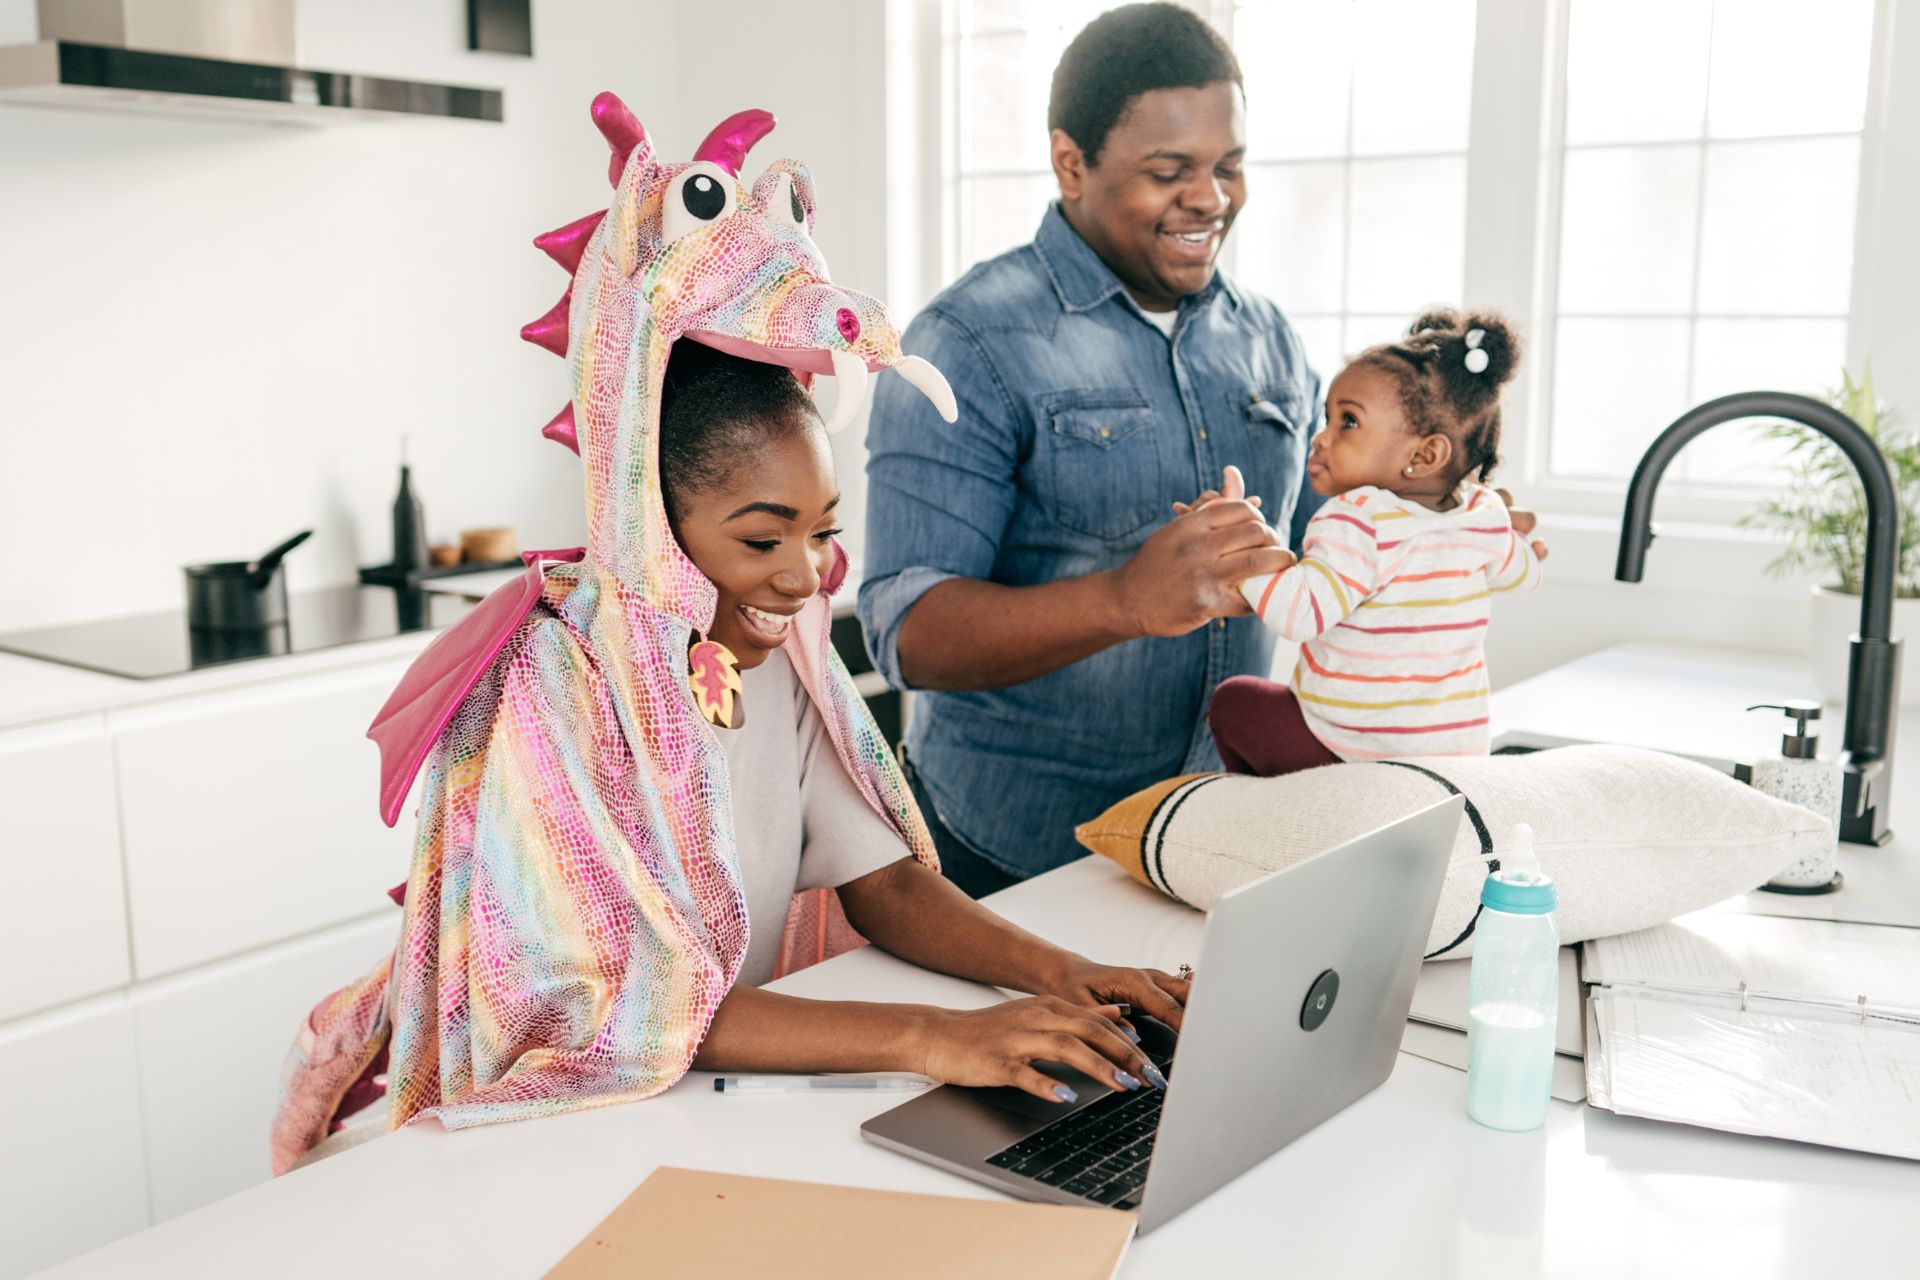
(1439, 320)
(1497, 338)
(1476, 353)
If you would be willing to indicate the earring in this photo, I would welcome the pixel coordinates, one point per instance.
(1408, 471)
(713, 675)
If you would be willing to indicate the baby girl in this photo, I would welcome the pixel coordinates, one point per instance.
(1392, 592)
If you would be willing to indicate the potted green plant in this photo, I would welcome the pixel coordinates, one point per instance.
(1823, 513)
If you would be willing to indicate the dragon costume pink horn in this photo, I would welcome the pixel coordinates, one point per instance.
(730, 140)
(574, 911)
(622, 132)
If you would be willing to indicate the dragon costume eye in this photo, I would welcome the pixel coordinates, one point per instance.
(699, 196)
(779, 194)
(703, 197)
(788, 202)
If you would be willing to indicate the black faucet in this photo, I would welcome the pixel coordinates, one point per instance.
(1873, 668)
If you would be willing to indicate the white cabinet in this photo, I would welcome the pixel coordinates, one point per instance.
(63, 922)
(184, 874)
(250, 816)
(72, 1164)
(211, 1046)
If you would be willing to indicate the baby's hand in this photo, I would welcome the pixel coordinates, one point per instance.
(1233, 488)
(1524, 522)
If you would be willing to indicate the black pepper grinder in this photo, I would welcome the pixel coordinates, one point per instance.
(409, 522)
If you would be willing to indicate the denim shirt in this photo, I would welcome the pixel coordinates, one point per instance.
(1080, 424)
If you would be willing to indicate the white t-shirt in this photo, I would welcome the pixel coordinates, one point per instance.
(799, 821)
(1162, 320)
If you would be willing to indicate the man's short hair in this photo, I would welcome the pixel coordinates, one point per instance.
(1124, 53)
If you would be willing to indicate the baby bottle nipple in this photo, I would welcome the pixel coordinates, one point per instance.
(1520, 865)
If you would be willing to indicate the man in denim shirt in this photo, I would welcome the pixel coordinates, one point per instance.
(1023, 567)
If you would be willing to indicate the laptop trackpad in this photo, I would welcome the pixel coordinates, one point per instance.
(1022, 1103)
(1155, 1037)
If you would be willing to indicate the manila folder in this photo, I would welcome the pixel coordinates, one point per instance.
(685, 1222)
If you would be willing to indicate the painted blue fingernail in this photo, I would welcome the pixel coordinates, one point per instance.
(1125, 1081)
(1130, 1034)
(1065, 1094)
(1154, 1078)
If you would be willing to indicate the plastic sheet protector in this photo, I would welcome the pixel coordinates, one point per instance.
(1799, 1029)
(1811, 1078)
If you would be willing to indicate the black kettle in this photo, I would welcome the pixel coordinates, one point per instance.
(240, 595)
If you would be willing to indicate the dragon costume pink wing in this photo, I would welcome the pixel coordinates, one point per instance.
(574, 912)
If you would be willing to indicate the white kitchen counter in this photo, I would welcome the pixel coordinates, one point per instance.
(1400, 1184)
(33, 690)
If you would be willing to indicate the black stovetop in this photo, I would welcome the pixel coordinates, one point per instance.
(149, 645)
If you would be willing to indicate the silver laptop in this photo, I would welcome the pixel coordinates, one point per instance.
(1299, 1001)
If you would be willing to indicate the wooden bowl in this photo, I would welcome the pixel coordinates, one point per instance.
(487, 544)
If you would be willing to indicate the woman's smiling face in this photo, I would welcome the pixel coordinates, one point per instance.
(763, 535)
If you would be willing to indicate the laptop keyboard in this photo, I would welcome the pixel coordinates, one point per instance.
(1099, 1152)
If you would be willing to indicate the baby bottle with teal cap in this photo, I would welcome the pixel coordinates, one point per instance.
(1513, 1001)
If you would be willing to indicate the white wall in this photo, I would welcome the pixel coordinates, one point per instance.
(213, 334)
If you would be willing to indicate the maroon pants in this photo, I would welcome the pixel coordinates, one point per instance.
(1259, 729)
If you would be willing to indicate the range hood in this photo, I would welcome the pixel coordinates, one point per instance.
(229, 58)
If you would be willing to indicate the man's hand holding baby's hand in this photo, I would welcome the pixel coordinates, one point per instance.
(1233, 488)
(1189, 571)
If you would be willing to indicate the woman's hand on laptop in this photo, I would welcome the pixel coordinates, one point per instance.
(998, 1045)
(1154, 993)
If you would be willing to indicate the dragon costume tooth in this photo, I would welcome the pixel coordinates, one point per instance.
(574, 913)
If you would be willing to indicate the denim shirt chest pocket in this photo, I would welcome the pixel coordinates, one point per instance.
(1104, 465)
(1278, 420)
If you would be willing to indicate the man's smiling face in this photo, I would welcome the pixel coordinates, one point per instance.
(1169, 182)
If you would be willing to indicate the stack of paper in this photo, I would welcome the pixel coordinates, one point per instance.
(1802, 1029)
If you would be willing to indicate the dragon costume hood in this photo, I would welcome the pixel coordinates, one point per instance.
(574, 913)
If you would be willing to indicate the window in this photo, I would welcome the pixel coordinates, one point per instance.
(1001, 55)
(1357, 165)
(1663, 194)
(1707, 206)
(1356, 169)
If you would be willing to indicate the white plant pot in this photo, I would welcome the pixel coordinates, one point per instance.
(1836, 617)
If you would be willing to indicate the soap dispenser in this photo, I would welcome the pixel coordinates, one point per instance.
(1798, 776)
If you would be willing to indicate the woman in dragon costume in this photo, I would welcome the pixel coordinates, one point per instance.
(577, 928)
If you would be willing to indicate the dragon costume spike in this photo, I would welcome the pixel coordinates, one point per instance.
(559, 428)
(550, 330)
(574, 913)
(566, 245)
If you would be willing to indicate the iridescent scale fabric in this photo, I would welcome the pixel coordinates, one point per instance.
(574, 913)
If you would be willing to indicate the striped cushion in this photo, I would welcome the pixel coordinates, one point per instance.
(1632, 837)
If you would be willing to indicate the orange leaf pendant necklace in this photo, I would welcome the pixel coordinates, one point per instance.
(714, 676)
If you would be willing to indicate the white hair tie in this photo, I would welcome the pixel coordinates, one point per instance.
(1476, 358)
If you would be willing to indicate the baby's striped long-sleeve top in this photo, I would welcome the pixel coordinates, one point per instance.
(1391, 601)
